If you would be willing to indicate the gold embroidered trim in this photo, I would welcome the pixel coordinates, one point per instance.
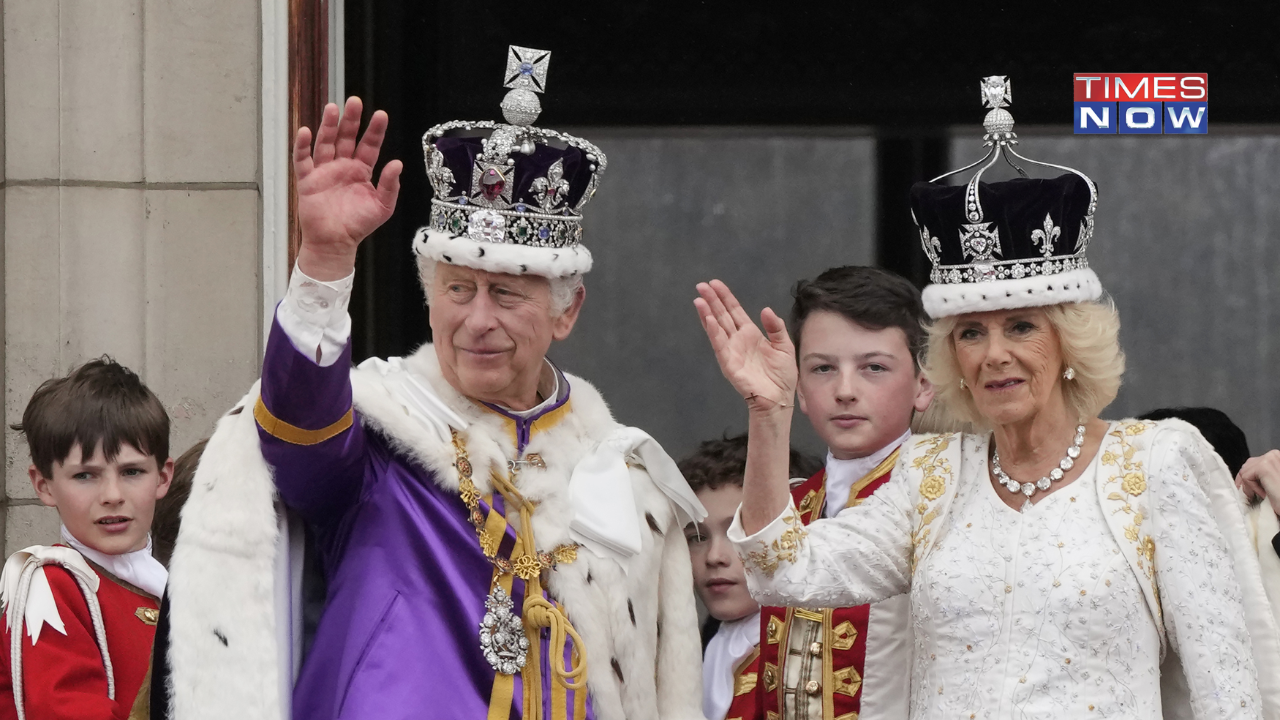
(773, 633)
(148, 616)
(847, 681)
(1131, 478)
(885, 466)
(770, 677)
(784, 548)
(937, 473)
(745, 682)
(277, 428)
(810, 615)
(843, 636)
(490, 534)
(809, 503)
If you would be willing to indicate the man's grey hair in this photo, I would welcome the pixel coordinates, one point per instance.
(562, 288)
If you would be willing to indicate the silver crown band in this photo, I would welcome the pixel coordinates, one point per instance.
(1006, 269)
(519, 227)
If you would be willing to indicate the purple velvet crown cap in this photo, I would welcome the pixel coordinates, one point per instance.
(459, 155)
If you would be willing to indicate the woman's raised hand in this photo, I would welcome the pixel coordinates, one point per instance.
(761, 366)
(338, 204)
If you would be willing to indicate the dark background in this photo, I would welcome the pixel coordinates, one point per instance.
(761, 146)
(905, 71)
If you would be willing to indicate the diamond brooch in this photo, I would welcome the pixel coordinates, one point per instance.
(502, 638)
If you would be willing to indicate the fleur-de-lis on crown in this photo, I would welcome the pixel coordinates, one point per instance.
(1046, 237)
(932, 245)
(439, 175)
(550, 190)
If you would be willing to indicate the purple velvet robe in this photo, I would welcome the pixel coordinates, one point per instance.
(399, 636)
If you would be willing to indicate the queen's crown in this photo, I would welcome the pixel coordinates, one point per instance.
(1019, 228)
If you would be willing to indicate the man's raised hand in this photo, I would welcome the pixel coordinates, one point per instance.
(338, 204)
(761, 366)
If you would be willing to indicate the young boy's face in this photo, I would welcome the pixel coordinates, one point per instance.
(857, 386)
(106, 505)
(717, 571)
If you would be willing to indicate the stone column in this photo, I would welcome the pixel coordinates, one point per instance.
(131, 209)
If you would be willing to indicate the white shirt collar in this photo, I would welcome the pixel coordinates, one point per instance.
(541, 407)
(732, 642)
(138, 568)
(842, 474)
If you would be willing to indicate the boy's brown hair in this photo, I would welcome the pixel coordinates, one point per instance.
(717, 463)
(101, 401)
(168, 517)
(873, 298)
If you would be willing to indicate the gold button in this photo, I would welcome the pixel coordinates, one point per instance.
(1008, 588)
(815, 649)
(1090, 707)
(1022, 679)
(1068, 661)
(812, 687)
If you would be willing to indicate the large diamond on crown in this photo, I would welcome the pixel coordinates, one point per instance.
(487, 226)
(979, 241)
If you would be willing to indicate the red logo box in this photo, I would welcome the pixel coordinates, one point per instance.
(1141, 87)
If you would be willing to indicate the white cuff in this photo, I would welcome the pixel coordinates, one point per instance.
(777, 543)
(314, 316)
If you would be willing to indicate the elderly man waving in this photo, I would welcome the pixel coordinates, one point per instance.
(496, 545)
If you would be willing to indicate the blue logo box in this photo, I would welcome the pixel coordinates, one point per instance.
(1095, 118)
(1141, 118)
(1186, 118)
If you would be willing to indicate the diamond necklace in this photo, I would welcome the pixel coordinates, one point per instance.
(1043, 483)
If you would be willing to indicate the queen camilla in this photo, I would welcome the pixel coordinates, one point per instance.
(1059, 565)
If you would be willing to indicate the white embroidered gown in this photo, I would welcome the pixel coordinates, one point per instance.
(1035, 614)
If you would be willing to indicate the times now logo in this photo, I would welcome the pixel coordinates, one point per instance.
(1141, 103)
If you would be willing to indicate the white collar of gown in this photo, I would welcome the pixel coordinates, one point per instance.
(138, 568)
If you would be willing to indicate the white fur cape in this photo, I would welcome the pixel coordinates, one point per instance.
(229, 651)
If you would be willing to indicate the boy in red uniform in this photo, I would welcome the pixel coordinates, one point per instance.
(80, 616)
(731, 635)
(858, 335)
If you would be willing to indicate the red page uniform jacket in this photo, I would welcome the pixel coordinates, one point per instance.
(63, 675)
(746, 696)
(836, 663)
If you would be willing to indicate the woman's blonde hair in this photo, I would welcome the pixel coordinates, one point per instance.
(1089, 338)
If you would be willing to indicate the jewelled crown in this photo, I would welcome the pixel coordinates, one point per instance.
(510, 201)
(1001, 245)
